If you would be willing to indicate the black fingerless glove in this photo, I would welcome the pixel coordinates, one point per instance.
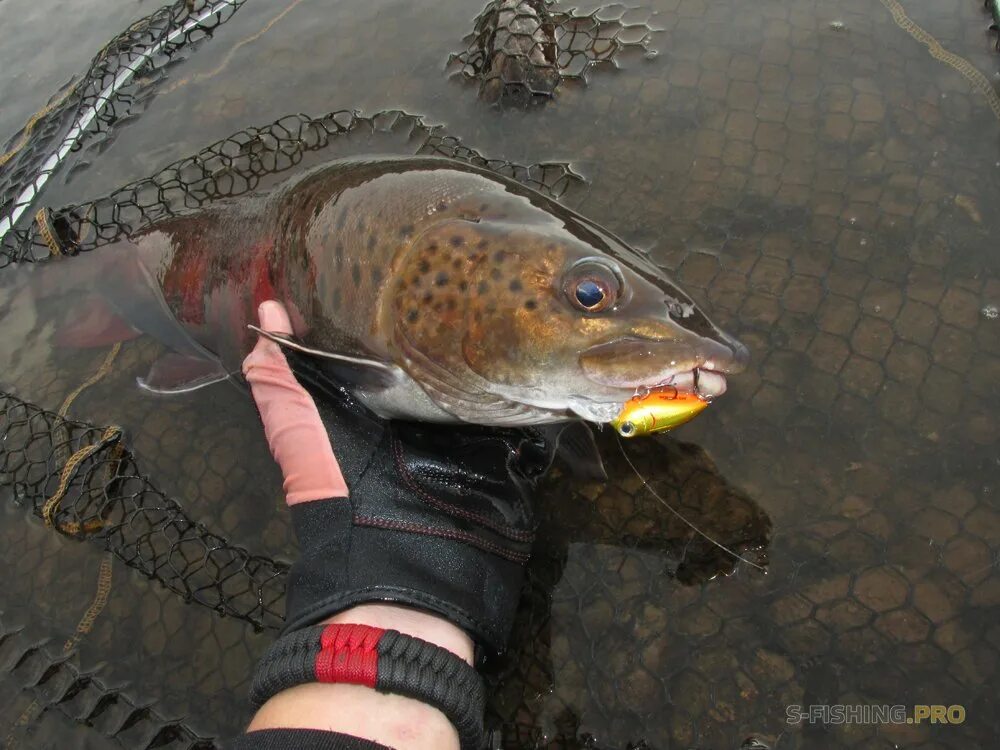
(439, 517)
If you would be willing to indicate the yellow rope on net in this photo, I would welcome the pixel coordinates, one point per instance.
(33, 120)
(229, 55)
(86, 623)
(103, 370)
(70, 464)
(43, 220)
(52, 504)
(979, 81)
(83, 627)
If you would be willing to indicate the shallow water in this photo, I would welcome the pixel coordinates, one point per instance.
(813, 176)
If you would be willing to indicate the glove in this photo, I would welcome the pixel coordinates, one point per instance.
(435, 517)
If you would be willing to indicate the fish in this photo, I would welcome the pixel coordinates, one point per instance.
(434, 290)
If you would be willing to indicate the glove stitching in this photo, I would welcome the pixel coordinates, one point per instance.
(476, 541)
(501, 528)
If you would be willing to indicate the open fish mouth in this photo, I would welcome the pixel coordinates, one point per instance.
(701, 381)
(632, 367)
(705, 383)
(693, 367)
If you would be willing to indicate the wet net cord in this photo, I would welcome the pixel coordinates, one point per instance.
(98, 99)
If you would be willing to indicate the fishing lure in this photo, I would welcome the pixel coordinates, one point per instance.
(661, 409)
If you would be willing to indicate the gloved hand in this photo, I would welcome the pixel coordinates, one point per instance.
(431, 516)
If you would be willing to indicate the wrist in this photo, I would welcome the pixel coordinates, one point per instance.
(412, 622)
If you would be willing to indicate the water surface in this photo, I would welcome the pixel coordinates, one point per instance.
(814, 177)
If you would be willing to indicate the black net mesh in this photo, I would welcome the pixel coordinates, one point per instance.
(520, 51)
(125, 70)
(57, 685)
(85, 484)
(251, 160)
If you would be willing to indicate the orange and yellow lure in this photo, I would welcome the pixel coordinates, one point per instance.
(659, 410)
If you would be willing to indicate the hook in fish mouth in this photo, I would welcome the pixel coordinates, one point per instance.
(703, 381)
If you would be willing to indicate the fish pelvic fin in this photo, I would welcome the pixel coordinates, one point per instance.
(178, 373)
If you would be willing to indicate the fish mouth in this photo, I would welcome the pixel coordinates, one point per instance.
(706, 384)
(633, 366)
(701, 381)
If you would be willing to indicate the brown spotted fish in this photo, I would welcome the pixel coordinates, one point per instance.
(441, 292)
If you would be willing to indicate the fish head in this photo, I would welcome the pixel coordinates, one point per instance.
(518, 323)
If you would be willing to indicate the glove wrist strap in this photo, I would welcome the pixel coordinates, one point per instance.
(385, 660)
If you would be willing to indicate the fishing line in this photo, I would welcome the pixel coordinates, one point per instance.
(669, 507)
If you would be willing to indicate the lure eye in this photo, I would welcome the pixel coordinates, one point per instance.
(592, 287)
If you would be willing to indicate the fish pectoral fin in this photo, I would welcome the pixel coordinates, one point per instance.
(349, 370)
(178, 373)
(576, 446)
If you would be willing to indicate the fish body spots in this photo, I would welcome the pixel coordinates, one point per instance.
(530, 304)
(406, 230)
(515, 285)
(377, 276)
(372, 242)
(441, 279)
(457, 241)
(356, 273)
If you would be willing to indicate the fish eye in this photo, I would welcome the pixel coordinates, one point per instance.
(592, 287)
(589, 294)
